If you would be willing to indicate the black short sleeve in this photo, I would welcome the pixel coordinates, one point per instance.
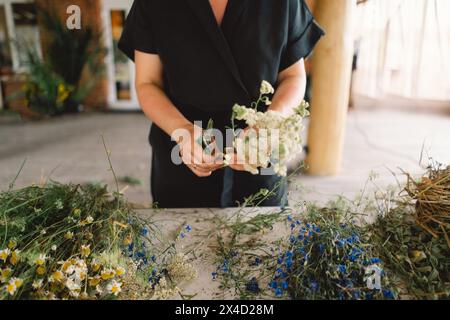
(138, 32)
(303, 33)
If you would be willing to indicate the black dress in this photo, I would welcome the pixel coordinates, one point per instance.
(207, 69)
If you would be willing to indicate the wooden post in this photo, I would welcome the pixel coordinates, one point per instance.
(331, 67)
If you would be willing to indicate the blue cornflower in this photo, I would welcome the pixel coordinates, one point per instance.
(188, 228)
(131, 247)
(154, 272)
(342, 268)
(375, 260)
(290, 218)
(280, 260)
(292, 226)
(289, 254)
(284, 285)
(153, 258)
(182, 235)
(298, 222)
(340, 243)
(214, 275)
(279, 292)
(257, 261)
(273, 285)
(301, 250)
(144, 231)
(292, 239)
(289, 263)
(388, 294)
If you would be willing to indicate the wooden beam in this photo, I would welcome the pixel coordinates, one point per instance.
(332, 67)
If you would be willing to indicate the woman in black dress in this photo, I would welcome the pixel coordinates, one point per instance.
(194, 60)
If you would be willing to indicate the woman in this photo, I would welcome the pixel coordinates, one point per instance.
(194, 60)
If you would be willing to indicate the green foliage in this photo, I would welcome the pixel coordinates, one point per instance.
(45, 91)
(73, 52)
(47, 231)
(420, 261)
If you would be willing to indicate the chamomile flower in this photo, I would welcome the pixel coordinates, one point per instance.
(40, 261)
(41, 270)
(12, 244)
(89, 219)
(15, 257)
(37, 284)
(13, 285)
(5, 274)
(95, 281)
(114, 287)
(85, 250)
(56, 276)
(54, 247)
(120, 271)
(108, 274)
(68, 235)
(4, 254)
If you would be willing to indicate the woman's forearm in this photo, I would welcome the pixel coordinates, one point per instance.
(291, 89)
(159, 109)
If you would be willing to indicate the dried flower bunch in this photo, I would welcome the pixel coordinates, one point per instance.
(77, 242)
(273, 139)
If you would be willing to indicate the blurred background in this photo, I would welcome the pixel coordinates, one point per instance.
(380, 93)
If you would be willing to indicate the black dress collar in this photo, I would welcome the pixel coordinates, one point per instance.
(204, 13)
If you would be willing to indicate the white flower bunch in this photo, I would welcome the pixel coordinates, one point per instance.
(273, 139)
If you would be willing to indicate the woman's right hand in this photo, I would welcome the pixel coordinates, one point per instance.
(193, 155)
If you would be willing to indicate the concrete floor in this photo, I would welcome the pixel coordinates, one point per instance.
(69, 149)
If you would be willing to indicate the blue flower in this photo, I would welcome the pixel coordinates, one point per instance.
(279, 292)
(289, 254)
(153, 258)
(273, 285)
(292, 226)
(188, 228)
(182, 235)
(144, 231)
(342, 268)
(356, 295)
(257, 261)
(214, 276)
(340, 243)
(298, 222)
(289, 263)
(131, 247)
(290, 218)
(284, 285)
(375, 260)
(388, 294)
(292, 239)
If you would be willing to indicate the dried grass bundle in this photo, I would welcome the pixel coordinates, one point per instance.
(432, 200)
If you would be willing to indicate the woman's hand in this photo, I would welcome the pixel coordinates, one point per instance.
(237, 163)
(193, 155)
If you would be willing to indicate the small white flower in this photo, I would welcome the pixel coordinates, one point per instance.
(114, 287)
(89, 219)
(54, 247)
(266, 88)
(37, 284)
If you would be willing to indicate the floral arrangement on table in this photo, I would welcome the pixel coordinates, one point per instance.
(326, 256)
(77, 242)
(273, 139)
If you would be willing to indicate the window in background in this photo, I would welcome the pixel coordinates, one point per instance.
(122, 76)
(26, 30)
